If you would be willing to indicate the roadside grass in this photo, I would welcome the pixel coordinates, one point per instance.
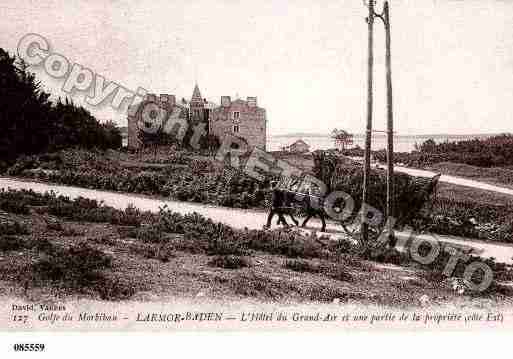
(188, 176)
(258, 286)
(473, 213)
(83, 209)
(80, 268)
(160, 252)
(496, 175)
(183, 175)
(297, 265)
(13, 227)
(161, 242)
(14, 207)
(229, 262)
(12, 243)
(468, 194)
(337, 271)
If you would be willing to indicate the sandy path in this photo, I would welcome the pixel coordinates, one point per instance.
(238, 218)
(446, 178)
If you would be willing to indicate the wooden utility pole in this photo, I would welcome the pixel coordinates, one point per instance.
(390, 124)
(368, 133)
(385, 17)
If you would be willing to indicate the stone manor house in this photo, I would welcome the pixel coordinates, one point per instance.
(237, 117)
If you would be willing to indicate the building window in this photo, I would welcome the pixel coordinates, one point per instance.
(235, 128)
(236, 115)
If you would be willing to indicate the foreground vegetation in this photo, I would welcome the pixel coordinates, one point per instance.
(187, 176)
(182, 175)
(502, 176)
(61, 247)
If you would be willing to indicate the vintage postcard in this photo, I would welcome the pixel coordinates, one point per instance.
(256, 166)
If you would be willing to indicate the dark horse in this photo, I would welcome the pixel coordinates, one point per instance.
(281, 205)
(285, 202)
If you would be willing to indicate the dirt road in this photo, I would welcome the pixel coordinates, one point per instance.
(446, 178)
(237, 218)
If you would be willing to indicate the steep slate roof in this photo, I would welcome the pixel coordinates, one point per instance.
(196, 94)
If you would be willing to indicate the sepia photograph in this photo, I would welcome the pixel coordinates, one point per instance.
(202, 165)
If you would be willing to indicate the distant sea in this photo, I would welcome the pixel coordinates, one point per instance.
(402, 143)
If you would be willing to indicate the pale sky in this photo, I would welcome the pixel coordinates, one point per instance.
(452, 61)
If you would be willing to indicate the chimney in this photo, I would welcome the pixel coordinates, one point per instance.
(226, 101)
(150, 97)
(252, 101)
(167, 100)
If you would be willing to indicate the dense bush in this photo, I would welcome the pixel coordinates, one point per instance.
(299, 265)
(337, 271)
(12, 243)
(82, 268)
(79, 209)
(8, 227)
(427, 213)
(201, 181)
(465, 219)
(411, 194)
(161, 252)
(494, 151)
(30, 123)
(229, 262)
(79, 264)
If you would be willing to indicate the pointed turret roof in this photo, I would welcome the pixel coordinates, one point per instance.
(196, 94)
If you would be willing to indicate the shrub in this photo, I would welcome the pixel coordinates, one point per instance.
(148, 234)
(15, 207)
(226, 246)
(334, 271)
(162, 252)
(77, 265)
(54, 225)
(71, 232)
(301, 266)
(410, 194)
(290, 244)
(229, 262)
(8, 227)
(12, 243)
(115, 289)
(254, 285)
(337, 272)
(82, 209)
(131, 216)
(26, 197)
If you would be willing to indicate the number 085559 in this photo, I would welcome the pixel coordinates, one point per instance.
(28, 347)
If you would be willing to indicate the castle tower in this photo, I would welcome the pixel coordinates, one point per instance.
(197, 106)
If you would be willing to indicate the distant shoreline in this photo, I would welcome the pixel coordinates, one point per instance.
(317, 135)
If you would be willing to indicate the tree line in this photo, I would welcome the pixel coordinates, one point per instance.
(31, 123)
(488, 152)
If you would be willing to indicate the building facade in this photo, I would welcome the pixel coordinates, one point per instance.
(243, 119)
(299, 146)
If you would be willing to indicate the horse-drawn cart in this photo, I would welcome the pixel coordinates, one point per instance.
(302, 196)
